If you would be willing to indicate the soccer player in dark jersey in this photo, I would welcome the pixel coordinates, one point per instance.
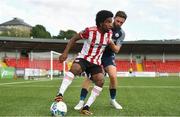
(89, 59)
(108, 62)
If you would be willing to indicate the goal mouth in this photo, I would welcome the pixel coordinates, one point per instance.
(44, 65)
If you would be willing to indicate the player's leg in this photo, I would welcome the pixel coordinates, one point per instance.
(98, 79)
(112, 72)
(110, 68)
(83, 94)
(76, 69)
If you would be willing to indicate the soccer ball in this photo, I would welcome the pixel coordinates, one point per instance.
(58, 109)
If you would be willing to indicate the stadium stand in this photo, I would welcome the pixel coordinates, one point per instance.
(125, 65)
(27, 63)
(146, 56)
(169, 66)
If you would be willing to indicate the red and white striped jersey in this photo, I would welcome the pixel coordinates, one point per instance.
(94, 44)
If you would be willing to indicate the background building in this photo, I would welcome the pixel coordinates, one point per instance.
(15, 27)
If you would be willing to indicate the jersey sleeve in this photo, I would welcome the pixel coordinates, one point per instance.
(84, 34)
(120, 40)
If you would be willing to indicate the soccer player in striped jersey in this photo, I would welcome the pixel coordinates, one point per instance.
(108, 62)
(89, 59)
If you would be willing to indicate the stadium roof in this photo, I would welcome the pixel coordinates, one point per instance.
(14, 22)
(37, 44)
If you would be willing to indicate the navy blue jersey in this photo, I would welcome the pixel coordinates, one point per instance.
(117, 37)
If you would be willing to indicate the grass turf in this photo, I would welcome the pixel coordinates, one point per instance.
(138, 97)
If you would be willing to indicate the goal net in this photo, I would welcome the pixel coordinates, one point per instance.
(45, 65)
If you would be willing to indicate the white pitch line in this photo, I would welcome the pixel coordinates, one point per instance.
(144, 86)
(11, 83)
(77, 86)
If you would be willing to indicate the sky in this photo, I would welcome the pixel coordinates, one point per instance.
(147, 19)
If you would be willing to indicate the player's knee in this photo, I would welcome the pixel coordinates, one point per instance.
(100, 82)
(76, 69)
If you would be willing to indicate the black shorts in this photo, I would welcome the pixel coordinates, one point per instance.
(88, 67)
(108, 60)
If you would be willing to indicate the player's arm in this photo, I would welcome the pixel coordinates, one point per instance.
(119, 43)
(114, 47)
(72, 41)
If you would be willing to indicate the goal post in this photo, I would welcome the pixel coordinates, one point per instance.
(51, 64)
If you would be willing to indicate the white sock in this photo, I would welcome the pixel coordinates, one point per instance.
(67, 80)
(94, 93)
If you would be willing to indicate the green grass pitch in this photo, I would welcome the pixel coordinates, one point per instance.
(138, 97)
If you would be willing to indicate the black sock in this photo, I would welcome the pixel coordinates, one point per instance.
(112, 93)
(86, 107)
(83, 94)
(59, 94)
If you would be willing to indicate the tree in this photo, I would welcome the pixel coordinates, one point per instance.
(39, 31)
(66, 34)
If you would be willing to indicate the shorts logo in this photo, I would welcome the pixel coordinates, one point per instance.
(77, 60)
(116, 35)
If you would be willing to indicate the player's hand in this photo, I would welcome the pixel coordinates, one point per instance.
(62, 57)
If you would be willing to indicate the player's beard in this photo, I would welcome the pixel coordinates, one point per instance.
(115, 26)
